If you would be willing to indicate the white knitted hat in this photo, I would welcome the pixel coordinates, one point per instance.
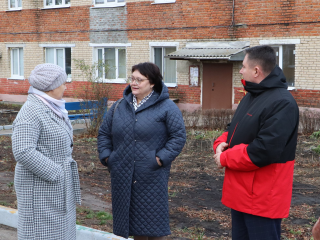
(47, 76)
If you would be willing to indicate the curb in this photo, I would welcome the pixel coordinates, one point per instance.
(9, 217)
(78, 128)
(73, 122)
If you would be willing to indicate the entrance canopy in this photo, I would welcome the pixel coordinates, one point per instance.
(222, 50)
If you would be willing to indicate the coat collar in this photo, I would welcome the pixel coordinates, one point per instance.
(275, 79)
(51, 114)
(155, 97)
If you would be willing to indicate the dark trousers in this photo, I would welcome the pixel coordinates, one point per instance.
(249, 227)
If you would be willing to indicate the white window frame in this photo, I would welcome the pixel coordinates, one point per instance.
(109, 4)
(14, 8)
(117, 46)
(55, 56)
(163, 1)
(59, 46)
(63, 5)
(279, 43)
(10, 47)
(152, 45)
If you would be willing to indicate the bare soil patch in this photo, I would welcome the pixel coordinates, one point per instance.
(194, 190)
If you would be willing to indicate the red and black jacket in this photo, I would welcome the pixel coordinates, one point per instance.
(262, 140)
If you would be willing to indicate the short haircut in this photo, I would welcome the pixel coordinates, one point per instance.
(264, 56)
(152, 72)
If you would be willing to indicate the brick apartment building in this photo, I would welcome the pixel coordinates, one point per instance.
(198, 45)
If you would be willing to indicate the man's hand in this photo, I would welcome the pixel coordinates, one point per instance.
(216, 158)
(222, 147)
(316, 230)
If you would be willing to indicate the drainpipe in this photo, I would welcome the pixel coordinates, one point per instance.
(231, 27)
(232, 24)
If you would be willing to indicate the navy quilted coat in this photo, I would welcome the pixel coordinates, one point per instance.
(131, 140)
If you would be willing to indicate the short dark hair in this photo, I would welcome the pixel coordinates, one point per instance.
(263, 55)
(152, 72)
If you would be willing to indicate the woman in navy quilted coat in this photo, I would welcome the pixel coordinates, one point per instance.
(140, 137)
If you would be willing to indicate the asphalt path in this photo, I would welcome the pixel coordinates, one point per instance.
(8, 233)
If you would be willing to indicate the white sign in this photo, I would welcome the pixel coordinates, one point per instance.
(194, 76)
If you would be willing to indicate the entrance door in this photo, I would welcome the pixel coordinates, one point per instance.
(217, 86)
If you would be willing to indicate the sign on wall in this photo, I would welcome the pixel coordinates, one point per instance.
(194, 75)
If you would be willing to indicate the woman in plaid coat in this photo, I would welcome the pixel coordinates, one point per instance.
(46, 176)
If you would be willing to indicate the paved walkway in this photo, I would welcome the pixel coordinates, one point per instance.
(77, 129)
(8, 233)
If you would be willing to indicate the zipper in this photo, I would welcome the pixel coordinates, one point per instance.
(233, 133)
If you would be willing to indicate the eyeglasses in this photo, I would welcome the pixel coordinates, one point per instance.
(137, 80)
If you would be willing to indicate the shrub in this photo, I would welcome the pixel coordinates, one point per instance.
(213, 119)
(94, 90)
(309, 121)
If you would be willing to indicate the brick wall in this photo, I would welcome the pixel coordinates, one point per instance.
(32, 4)
(14, 86)
(186, 94)
(277, 18)
(239, 93)
(22, 86)
(303, 97)
(182, 92)
(307, 98)
(182, 20)
(36, 25)
(141, 22)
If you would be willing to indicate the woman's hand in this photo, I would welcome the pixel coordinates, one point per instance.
(104, 162)
(158, 161)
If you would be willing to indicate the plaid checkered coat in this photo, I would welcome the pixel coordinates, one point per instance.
(46, 177)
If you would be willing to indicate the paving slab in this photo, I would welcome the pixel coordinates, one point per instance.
(8, 233)
(9, 219)
(77, 129)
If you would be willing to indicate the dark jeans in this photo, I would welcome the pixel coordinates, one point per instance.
(249, 227)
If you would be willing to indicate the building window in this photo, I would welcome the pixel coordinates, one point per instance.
(15, 4)
(167, 67)
(112, 62)
(109, 3)
(56, 3)
(61, 57)
(285, 50)
(17, 63)
(286, 61)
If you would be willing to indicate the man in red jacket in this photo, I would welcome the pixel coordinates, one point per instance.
(258, 150)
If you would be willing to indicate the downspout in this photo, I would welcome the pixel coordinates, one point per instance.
(232, 24)
(231, 27)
